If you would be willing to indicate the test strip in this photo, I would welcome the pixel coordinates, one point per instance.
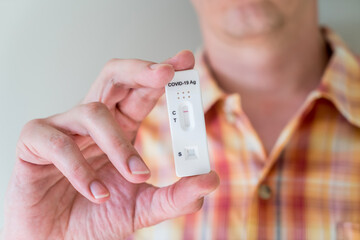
(187, 125)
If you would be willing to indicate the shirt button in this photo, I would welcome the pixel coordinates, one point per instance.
(264, 192)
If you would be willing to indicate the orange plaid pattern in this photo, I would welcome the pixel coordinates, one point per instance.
(308, 187)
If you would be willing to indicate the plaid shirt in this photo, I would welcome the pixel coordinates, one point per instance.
(308, 187)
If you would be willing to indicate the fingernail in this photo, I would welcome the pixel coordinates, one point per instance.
(137, 166)
(155, 66)
(98, 190)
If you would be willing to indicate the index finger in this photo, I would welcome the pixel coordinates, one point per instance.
(139, 102)
(120, 76)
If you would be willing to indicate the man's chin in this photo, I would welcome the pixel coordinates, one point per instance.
(252, 19)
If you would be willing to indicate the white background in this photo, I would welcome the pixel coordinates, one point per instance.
(51, 51)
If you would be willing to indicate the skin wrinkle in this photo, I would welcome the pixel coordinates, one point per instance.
(69, 188)
(55, 217)
(120, 196)
(105, 86)
(70, 219)
(27, 151)
(109, 86)
(127, 122)
(89, 231)
(104, 220)
(50, 169)
(45, 194)
(170, 194)
(139, 223)
(107, 217)
(77, 171)
(99, 162)
(32, 152)
(77, 195)
(90, 150)
(66, 130)
(117, 143)
(29, 188)
(147, 97)
(144, 96)
(60, 229)
(64, 227)
(166, 205)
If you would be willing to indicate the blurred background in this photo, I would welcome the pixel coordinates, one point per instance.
(51, 51)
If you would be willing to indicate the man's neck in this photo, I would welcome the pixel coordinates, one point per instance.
(290, 61)
(273, 73)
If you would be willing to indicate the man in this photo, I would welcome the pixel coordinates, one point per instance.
(282, 109)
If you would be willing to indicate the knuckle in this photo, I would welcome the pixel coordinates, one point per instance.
(114, 83)
(115, 63)
(121, 143)
(31, 127)
(93, 109)
(33, 124)
(128, 125)
(60, 142)
(111, 62)
(111, 65)
(147, 96)
(124, 146)
(78, 171)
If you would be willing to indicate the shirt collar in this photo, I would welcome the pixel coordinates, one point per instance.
(341, 80)
(340, 83)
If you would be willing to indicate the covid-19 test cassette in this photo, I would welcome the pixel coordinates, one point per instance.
(187, 124)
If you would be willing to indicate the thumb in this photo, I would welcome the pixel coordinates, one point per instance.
(183, 197)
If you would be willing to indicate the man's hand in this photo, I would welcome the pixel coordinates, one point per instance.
(77, 174)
